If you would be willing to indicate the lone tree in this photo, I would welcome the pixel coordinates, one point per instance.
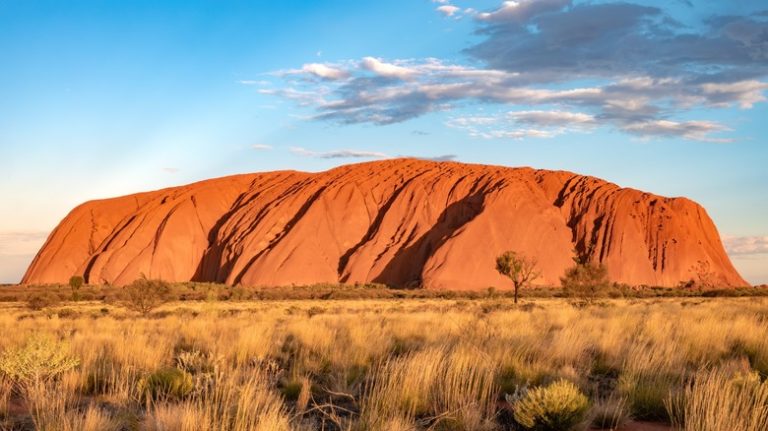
(585, 280)
(144, 295)
(519, 268)
(75, 283)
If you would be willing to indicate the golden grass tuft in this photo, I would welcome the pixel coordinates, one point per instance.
(721, 399)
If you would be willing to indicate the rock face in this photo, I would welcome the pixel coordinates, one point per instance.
(402, 222)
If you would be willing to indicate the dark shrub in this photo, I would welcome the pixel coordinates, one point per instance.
(41, 300)
(167, 383)
(586, 281)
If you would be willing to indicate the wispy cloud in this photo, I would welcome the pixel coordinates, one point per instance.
(552, 118)
(324, 71)
(694, 130)
(170, 170)
(401, 90)
(261, 147)
(646, 72)
(17, 243)
(387, 70)
(443, 158)
(521, 11)
(338, 154)
(448, 10)
(523, 124)
(253, 82)
(746, 245)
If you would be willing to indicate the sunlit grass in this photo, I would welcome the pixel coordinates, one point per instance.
(412, 364)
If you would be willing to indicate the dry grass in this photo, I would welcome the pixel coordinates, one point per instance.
(720, 399)
(414, 364)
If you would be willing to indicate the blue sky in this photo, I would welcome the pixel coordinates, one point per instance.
(103, 98)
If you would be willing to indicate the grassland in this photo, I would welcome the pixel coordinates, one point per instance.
(386, 364)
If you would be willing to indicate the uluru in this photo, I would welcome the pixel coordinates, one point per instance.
(401, 222)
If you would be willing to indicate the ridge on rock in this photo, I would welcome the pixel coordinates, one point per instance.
(403, 222)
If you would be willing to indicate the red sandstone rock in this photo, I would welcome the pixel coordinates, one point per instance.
(402, 222)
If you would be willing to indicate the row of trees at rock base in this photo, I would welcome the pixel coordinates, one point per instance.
(142, 296)
(585, 280)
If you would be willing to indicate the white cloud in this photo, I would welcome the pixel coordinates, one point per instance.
(693, 130)
(338, 154)
(443, 158)
(325, 71)
(523, 124)
(519, 134)
(387, 70)
(746, 245)
(522, 10)
(745, 93)
(553, 118)
(498, 127)
(261, 147)
(472, 121)
(313, 97)
(170, 170)
(448, 10)
(638, 105)
(537, 54)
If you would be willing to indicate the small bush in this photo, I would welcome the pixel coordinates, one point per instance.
(40, 359)
(561, 406)
(167, 383)
(75, 283)
(291, 389)
(144, 295)
(40, 300)
(586, 281)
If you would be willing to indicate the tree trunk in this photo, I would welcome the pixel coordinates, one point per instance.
(517, 287)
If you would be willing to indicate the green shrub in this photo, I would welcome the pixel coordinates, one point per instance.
(144, 295)
(167, 383)
(586, 281)
(39, 359)
(75, 283)
(291, 389)
(647, 394)
(560, 406)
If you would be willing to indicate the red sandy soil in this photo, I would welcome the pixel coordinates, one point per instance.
(403, 222)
